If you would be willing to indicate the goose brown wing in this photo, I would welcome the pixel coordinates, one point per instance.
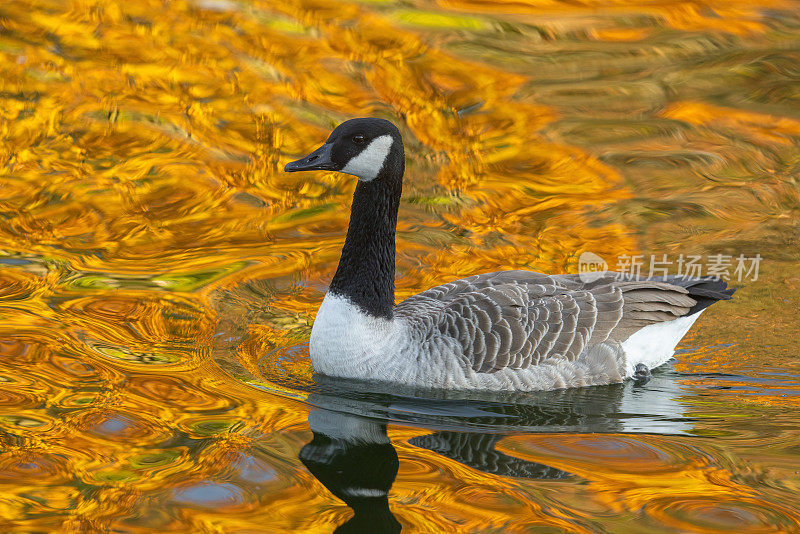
(456, 288)
(516, 319)
(646, 301)
(513, 319)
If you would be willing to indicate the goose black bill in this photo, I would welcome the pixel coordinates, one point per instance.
(318, 160)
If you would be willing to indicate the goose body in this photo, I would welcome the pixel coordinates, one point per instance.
(508, 330)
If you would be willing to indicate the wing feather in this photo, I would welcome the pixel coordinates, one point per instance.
(518, 319)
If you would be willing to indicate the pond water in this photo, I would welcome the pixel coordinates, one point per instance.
(160, 273)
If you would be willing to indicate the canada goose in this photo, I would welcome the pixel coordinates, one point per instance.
(507, 330)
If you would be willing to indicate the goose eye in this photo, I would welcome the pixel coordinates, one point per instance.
(359, 139)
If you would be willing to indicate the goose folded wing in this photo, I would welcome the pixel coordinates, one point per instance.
(517, 326)
(457, 288)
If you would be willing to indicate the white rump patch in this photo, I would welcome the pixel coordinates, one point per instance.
(655, 344)
(369, 162)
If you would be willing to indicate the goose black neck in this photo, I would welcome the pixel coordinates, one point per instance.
(365, 275)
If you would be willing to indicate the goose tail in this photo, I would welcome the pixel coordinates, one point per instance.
(705, 291)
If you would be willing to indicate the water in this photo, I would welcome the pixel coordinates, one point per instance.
(160, 274)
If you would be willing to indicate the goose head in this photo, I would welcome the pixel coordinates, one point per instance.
(365, 148)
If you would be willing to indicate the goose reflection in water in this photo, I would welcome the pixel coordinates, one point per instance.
(352, 456)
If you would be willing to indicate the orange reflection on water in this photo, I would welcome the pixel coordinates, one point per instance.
(673, 484)
(147, 226)
(717, 15)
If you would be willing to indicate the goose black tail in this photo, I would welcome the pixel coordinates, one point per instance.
(706, 291)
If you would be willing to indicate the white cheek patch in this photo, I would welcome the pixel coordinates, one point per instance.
(370, 161)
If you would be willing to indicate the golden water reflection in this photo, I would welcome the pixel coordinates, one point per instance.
(154, 257)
